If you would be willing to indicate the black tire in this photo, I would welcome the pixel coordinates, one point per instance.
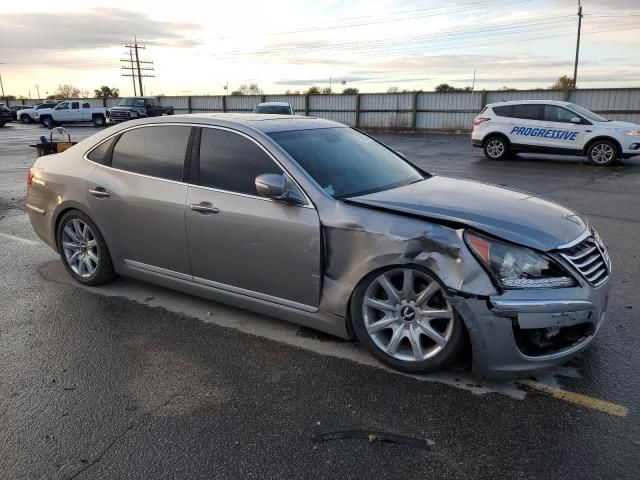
(99, 121)
(24, 118)
(2, 124)
(496, 148)
(104, 271)
(445, 356)
(603, 153)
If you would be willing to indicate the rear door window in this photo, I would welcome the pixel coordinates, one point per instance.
(157, 151)
(231, 162)
(526, 111)
(503, 111)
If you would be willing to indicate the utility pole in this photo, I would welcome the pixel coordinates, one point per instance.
(135, 68)
(37, 87)
(1, 85)
(575, 67)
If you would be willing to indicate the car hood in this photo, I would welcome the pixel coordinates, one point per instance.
(504, 213)
(620, 124)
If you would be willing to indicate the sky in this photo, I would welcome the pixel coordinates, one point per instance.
(198, 47)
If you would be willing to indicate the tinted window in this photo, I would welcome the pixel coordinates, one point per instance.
(553, 113)
(75, 105)
(229, 161)
(345, 162)
(63, 106)
(86, 105)
(100, 153)
(526, 111)
(504, 111)
(155, 151)
(273, 109)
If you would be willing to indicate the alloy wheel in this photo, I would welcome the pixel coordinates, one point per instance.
(602, 153)
(495, 148)
(407, 315)
(80, 248)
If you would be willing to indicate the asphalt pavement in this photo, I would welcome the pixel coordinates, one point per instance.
(136, 381)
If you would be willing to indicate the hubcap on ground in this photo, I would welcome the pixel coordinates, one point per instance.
(602, 153)
(407, 315)
(80, 247)
(495, 148)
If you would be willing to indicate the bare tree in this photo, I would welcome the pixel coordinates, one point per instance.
(66, 91)
(392, 90)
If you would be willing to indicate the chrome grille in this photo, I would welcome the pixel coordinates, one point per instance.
(590, 258)
(119, 116)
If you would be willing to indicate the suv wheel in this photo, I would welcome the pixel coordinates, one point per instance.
(496, 148)
(24, 118)
(98, 121)
(602, 153)
(83, 250)
(403, 318)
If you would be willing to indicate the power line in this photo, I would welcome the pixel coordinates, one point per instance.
(134, 66)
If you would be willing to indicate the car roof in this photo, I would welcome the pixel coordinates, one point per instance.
(266, 123)
(520, 102)
(275, 104)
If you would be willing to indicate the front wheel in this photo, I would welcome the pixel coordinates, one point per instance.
(83, 250)
(24, 118)
(496, 148)
(603, 153)
(403, 318)
(98, 121)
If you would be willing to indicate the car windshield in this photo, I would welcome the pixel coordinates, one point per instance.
(277, 109)
(345, 162)
(131, 102)
(594, 117)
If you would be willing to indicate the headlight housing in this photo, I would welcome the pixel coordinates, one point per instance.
(632, 133)
(516, 267)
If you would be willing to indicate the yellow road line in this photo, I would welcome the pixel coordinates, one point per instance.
(577, 398)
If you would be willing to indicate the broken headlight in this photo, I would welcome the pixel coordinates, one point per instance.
(514, 266)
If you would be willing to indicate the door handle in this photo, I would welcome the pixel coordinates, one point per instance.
(99, 192)
(203, 208)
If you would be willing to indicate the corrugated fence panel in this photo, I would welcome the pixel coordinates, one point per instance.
(206, 103)
(386, 110)
(444, 120)
(385, 120)
(179, 104)
(464, 101)
(506, 96)
(242, 103)
(386, 101)
(607, 100)
(348, 118)
(332, 102)
(95, 102)
(296, 101)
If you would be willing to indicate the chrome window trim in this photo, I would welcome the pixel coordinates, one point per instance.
(133, 127)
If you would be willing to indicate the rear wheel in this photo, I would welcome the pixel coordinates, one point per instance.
(98, 121)
(603, 153)
(402, 317)
(83, 250)
(496, 148)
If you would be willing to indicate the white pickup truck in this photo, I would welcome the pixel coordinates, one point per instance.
(70, 112)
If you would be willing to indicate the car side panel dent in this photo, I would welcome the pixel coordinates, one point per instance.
(360, 241)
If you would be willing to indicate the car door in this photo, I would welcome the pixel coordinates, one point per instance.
(526, 125)
(241, 242)
(86, 112)
(137, 197)
(75, 113)
(62, 112)
(559, 130)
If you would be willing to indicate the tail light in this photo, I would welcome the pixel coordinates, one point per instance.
(479, 120)
(35, 175)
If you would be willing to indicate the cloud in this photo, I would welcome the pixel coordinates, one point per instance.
(311, 81)
(97, 28)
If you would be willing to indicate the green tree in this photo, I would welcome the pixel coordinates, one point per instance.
(313, 90)
(106, 92)
(445, 88)
(350, 91)
(565, 82)
(392, 90)
(66, 91)
(292, 92)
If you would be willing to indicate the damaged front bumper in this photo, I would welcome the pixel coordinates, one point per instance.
(523, 331)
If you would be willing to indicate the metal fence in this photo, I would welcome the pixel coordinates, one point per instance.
(404, 111)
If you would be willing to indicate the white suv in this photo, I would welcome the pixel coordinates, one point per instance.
(547, 126)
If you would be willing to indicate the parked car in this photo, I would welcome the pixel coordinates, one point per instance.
(28, 114)
(15, 108)
(549, 126)
(72, 111)
(278, 108)
(138, 107)
(5, 115)
(319, 224)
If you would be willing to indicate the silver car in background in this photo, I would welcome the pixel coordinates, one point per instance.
(317, 223)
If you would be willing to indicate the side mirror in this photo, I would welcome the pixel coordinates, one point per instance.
(276, 187)
(576, 120)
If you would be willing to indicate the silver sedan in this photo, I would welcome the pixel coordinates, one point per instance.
(319, 224)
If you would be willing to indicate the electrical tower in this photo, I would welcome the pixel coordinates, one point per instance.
(134, 66)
